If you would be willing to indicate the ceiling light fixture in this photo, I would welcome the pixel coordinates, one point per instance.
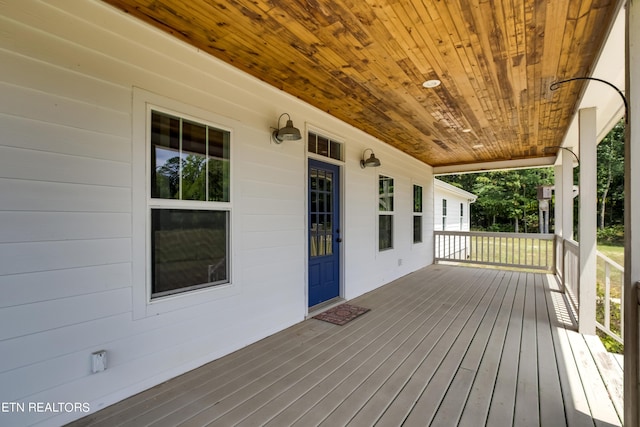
(431, 83)
(287, 133)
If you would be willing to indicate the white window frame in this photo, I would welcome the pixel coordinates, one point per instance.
(143, 305)
(390, 213)
(418, 214)
(444, 214)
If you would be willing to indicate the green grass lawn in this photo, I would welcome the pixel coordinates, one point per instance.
(616, 254)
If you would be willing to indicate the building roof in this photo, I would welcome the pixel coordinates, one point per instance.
(445, 186)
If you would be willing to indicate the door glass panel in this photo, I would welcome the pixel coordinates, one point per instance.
(313, 235)
(321, 205)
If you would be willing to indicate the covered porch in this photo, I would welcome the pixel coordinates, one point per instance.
(445, 345)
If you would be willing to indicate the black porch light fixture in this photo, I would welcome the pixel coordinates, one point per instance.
(562, 148)
(554, 86)
(287, 133)
(372, 161)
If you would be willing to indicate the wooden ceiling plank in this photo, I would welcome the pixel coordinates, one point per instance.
(364, 62)
(475, 86)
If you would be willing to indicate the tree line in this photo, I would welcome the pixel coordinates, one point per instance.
(507, 200)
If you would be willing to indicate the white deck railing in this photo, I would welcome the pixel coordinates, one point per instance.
(541, 252)
(570, 274)
(519, 250)
(609, 293)
(610, 282)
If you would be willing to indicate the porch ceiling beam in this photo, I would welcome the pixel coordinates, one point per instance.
(499, 165)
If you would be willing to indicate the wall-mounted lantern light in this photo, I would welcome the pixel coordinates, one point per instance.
(287, 133)
(372, 161)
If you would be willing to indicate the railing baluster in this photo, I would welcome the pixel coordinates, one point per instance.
(607, 297)
(502, 249)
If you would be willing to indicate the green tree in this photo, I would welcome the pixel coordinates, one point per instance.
(506, 200)
(610, 156)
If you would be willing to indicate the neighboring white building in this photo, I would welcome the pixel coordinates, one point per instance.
(452, 207)
(101, 230)
(452, 212)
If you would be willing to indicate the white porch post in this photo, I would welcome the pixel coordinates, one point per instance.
(631, 217)
(557, 210)
(587, 221)
(567, 193)
(563, 174)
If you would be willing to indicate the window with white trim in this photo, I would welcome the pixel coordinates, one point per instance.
(461, 216)
(324, 146)
(385, 216)
(188, 205)
(417, 214)
(444, 214)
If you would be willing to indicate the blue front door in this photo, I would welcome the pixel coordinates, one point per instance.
(324, 232)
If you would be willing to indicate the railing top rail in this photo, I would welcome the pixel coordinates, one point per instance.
(572, 243)
(541, 236)
(610, 261)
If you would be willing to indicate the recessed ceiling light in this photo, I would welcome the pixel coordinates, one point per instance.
(431, 83)
(466, 130)
(475, 147)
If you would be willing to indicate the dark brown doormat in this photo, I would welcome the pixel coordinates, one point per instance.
(341, 314)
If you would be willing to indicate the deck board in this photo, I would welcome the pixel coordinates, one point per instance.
(503, 400)
(476, 409)
(550, 392)
(442, 346)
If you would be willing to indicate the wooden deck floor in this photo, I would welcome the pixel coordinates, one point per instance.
(443, 346)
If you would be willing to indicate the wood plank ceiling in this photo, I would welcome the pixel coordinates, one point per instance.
(364, 62)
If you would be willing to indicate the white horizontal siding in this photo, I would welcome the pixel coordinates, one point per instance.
(62, 312)
(27, 288)
(32, 104)
(53, 167)
(32, 134)
(67, 178)
(23, 195)
(17, 258)
(26, 226)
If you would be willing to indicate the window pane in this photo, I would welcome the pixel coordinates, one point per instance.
(194, 161)
(219, 165)
(417, 198)
(417, 229)
(335, 150)
(189, 161)
(312, 146)
(323, 146)
(385, 232)
(385, 194)
(189, 249)
(165, 156)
